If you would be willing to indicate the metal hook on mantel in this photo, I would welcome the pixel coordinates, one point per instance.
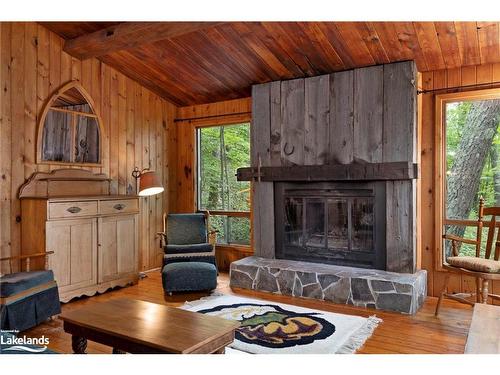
(286, 152)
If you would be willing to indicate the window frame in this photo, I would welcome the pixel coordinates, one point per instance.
(246, 214)
(440, 164)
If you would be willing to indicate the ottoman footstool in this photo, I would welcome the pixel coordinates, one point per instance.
(188, 276)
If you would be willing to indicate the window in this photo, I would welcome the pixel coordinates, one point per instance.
(470, 161)
(221, 151)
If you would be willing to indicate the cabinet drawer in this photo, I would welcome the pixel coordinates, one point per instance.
(72, 209)
(118, 206)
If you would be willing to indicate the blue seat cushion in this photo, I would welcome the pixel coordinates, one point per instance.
(14, 283)
(185, 229)
(193, 248)
(189, 276)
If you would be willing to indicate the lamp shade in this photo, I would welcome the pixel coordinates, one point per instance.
(149, 184)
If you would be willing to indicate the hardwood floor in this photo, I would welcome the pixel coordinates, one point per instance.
(422, 333)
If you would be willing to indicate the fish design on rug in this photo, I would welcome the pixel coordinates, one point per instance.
(272, 326)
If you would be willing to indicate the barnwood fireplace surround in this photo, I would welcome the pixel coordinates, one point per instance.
(334, 189)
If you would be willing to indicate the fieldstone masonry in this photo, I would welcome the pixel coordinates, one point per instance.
(400, 292)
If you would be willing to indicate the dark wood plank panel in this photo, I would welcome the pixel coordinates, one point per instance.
(263, 192)
(399, 144)
(400, 112)
(275, 143)
(292, 119)
(317, 119)
(341, 117)
(368, 114)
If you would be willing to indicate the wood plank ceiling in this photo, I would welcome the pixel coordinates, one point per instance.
(221, 61)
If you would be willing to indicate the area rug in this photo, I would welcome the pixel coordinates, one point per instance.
(272, 328)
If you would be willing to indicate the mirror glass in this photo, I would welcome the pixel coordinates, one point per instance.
(71, 130)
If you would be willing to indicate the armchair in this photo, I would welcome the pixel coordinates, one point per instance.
(482, 269)
(188, 237)
(189, 245)
(27, 298)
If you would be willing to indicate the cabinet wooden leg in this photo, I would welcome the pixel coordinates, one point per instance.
(220, 351)
(79, 344)
(485, 291)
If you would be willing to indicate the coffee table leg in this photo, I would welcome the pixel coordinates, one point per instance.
(118, 351)
(79, 344)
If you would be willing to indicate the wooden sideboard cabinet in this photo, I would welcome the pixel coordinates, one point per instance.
(94, 237)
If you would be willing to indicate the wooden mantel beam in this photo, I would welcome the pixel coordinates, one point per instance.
(128, 35)
(333, 172)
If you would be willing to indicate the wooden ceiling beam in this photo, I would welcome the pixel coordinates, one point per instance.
(128, 35)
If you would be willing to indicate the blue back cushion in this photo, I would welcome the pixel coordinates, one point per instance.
(186, 229)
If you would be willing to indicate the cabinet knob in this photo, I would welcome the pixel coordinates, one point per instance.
(119, 206)
(74, 209)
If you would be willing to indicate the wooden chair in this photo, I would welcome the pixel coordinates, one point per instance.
(27, 298)
(484, 269)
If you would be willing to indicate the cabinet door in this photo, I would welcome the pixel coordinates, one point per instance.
(117, 249)
(74, 243)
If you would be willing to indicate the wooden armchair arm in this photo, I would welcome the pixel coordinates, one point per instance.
(454, 239)
(28, 258)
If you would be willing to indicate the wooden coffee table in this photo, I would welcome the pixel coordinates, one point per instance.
(134, 326)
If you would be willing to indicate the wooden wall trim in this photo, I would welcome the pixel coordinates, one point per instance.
(440, 101)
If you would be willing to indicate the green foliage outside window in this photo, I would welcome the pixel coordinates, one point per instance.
(221, 151)
(472, 133)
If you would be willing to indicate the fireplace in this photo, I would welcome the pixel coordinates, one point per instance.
(341, 223)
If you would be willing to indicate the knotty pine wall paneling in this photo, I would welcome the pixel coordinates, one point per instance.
(136, 126)
(441, 79)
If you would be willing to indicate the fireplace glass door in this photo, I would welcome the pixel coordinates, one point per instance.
(336, 226)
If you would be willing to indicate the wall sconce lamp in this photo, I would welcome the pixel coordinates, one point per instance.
(149, 182)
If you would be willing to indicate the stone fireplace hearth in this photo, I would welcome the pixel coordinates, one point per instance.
(382, 290)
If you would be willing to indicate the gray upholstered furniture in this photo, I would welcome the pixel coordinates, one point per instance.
(189, 245)
(188, 238)
(27, 298)
(189, 276)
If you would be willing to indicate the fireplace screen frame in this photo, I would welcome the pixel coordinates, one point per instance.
(376, 258)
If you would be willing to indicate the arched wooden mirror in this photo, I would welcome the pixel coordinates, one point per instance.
(70, 130)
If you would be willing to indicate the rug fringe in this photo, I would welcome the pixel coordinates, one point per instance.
(197, 302)
(358, 339)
